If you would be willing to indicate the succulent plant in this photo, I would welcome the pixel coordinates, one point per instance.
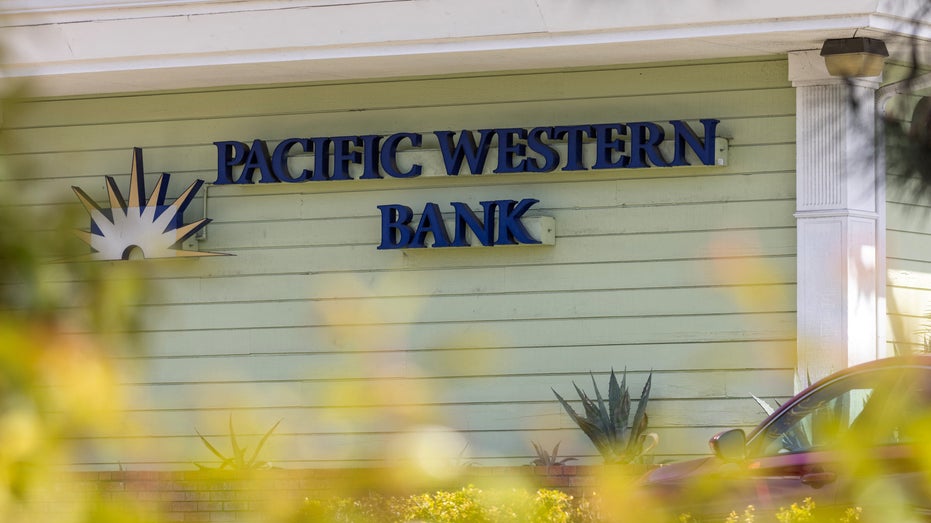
(607, 423)
(548, 459)
(238, 461)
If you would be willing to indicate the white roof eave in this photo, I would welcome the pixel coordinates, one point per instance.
(73, 47)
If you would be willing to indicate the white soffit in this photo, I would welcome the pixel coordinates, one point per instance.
(68, 47)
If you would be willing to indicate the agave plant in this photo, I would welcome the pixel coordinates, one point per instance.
(238, 461)
(548, 459)
(607, 424)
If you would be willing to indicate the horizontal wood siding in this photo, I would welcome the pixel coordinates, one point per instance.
(908, 282)
(686, 272)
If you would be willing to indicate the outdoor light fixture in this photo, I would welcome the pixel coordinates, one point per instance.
(854, 57)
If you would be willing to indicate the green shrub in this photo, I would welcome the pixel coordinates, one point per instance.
(804, 512)
(448, 507)
(466, 505)
(473, 505)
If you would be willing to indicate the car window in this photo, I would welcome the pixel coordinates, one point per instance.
(867, 406)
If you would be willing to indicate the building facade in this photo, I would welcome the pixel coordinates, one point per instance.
(625, 230)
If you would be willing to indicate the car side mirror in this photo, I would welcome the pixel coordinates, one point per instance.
(730, 445)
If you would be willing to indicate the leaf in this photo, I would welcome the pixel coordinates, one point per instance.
(654, 441)
(238, 453)
(537, 448)
(606, 424)
(262, 442)
(622, 414)
(640, 421)
(569, 410)
(591, 412)
(542, 459)
(765, 406)
(638, 436)
(211, 447)
(614, 407)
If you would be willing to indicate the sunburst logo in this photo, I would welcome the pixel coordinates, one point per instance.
(140, 227)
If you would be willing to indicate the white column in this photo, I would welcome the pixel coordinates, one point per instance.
(840, 203)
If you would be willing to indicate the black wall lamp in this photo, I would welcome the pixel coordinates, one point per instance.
(854, 57)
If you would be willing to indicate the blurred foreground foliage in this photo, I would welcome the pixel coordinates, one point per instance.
(61, 321)
(908, 146)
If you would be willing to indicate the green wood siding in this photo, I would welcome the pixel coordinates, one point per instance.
(908, 282)
(689, 272)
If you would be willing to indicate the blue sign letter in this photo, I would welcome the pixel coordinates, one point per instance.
(605, 146)
(685, 135)
(389, 155)
(431, 221)
(280, 160)
(510, 228)
(573, 134)
(370, 157)
(465, 218)
(536, 144)
(396, 232)
(343, 155)
(228, 155)
(257, 159)
(454, 152)
(507, 149)
(645, 138)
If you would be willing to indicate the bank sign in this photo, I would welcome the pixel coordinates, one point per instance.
(149, 227)
(406, 155)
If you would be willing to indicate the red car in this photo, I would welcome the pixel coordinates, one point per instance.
(858, 438)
